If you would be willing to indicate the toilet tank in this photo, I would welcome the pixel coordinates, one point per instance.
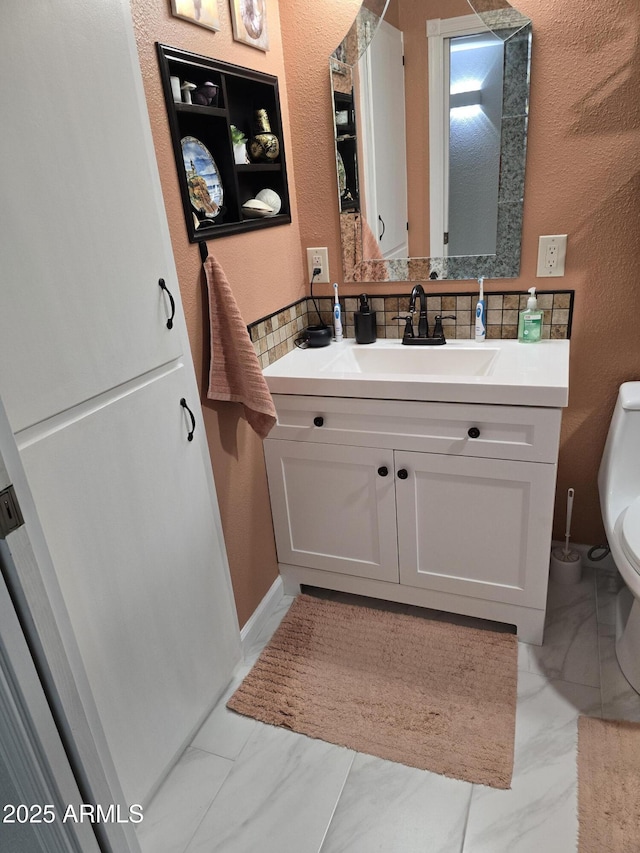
(619, 476)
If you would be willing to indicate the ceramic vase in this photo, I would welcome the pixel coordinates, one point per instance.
(264, 146)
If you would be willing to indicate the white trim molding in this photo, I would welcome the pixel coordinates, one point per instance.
(261, 615)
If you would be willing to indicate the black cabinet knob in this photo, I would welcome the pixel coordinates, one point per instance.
(473, 432)
(383, 470)
(403, 474)
(318, 421)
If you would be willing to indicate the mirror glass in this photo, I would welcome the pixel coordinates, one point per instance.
(430, 105)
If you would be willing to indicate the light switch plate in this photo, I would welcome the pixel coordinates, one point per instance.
(552, 251)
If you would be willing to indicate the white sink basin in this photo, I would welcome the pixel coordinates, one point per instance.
(423, 360)
(502, 372)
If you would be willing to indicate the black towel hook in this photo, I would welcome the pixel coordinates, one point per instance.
(204, 251)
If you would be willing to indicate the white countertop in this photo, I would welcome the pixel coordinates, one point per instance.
(520, 374)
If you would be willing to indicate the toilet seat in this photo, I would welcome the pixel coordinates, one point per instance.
(630, 534)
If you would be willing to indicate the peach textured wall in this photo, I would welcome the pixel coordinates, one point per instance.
(265, 271)
(583, 179)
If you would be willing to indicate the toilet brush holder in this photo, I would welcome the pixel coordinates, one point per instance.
(565, 566)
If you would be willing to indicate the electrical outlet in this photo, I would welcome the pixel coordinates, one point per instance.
(552, 251)
(318, 259)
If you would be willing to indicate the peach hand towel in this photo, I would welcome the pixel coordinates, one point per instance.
(234, 372)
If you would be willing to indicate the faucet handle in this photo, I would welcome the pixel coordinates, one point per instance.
(408, 329)
(438, 331)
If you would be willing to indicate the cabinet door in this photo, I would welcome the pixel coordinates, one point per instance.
(477, 527)
(333, 507)
(124, 503)
(87, 240)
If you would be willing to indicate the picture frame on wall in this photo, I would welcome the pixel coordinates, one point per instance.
(201, 12)
(249, 19)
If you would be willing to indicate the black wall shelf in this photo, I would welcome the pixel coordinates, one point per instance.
(241, 91)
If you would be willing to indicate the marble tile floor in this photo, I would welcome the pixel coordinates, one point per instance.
(245, 787)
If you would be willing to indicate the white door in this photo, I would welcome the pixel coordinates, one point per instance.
(383, 134)
(334, 507)
(91, 379)
(475, 527)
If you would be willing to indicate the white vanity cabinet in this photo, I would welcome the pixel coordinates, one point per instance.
(442, 505)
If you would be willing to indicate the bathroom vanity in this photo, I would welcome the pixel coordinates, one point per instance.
(422, 477)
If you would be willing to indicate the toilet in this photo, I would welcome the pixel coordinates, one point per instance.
(619, 485)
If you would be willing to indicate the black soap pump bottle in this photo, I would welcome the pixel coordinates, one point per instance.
(364, 321)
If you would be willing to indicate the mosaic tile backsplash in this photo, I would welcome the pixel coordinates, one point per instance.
(275, 335)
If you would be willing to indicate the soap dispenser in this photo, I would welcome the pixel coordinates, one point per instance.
(364, 321)
(530, 324)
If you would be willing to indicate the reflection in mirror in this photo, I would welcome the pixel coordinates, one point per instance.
(475, 113)
(465, 86)
(431, 178)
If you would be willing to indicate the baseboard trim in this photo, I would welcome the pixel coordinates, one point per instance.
(261, 614)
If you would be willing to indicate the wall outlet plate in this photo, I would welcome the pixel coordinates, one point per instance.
(552, 251)
(318, 259)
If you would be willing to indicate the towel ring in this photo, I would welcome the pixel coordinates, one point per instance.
(183, 403)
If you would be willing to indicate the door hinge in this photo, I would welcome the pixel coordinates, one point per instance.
(10, 515)
(446, 238)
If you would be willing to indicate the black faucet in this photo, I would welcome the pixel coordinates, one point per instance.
(422, 338)
(423, 328)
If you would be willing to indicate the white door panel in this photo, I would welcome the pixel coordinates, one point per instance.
(332, 509)
(124, 504)
(384, 140)
(84, 238)
(474, 526)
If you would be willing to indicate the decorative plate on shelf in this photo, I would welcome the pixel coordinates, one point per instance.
(203, 178)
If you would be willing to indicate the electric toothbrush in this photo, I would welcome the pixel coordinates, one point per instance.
(481, 314)
(337, 314)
